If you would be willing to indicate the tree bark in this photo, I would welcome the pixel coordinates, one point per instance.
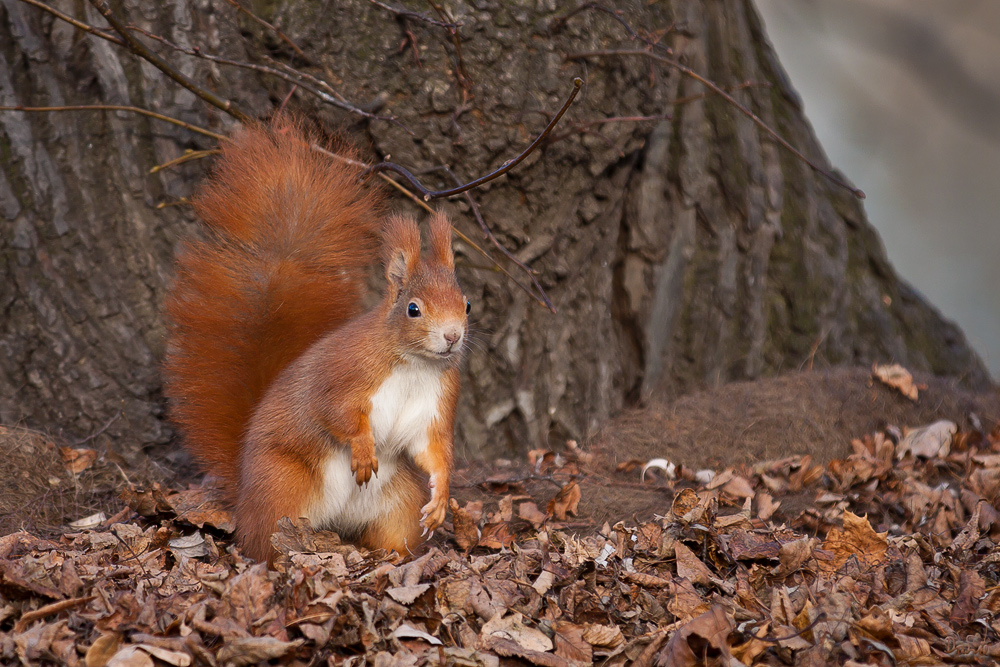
(679, 252)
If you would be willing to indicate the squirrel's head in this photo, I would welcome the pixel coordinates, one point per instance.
(427, 307)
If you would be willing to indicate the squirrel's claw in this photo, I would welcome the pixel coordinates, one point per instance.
(363, 467)
(432, 515)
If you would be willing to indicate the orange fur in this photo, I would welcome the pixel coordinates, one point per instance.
(272, 370)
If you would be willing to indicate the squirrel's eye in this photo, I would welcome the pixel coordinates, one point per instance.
(413, 310)
(468, 307)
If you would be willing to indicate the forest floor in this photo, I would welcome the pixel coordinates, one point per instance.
(815, 518)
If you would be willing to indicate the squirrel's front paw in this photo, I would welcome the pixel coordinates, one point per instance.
(433, 513)
(363, 462)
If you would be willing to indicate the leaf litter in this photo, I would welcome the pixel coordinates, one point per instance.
(893, 560)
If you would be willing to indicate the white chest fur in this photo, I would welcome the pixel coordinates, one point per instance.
(404, 407)
(401, 413)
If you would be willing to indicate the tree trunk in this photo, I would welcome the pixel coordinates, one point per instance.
(682, 251)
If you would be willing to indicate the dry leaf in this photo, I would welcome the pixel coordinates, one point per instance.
(102, 649)
(929, 441)
(530, 513)
(792, 555)
(466, 532)
(705, 636)
(130, 656)
(407, 594)
(565, 502)
(570, 644)
(77, 460)
(496, 536)
(603, 636)
(242, 651)
(897, 377)
(405, 631)
(512, 627)
(200, 507)
(690, 566)
(858, 540)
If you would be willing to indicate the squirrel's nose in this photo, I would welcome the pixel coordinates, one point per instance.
(452, 337)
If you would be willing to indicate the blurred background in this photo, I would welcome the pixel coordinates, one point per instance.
(905, 98)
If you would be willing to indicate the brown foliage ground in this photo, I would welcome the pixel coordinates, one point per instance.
(814, 413)
(828, 534)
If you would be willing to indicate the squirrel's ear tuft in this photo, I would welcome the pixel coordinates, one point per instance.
(400, 250)
(440, 241)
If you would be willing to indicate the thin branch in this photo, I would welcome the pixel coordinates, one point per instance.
(464, 80)
(140, 49)
(406, 13)
(285, 38)
(687, 71)
(507, 166)
(99, 431)
(560, 23)
(188, 156)
(489, 235)
(423, 204)
(86, 27)
(112, 107)
(290, 74)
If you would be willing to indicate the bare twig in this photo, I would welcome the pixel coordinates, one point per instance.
(140, 49)
(112, 107)
(86, 27)
(488, 234)
(30, 617)
(406, 13)
(464, 80)
(99, 431)
(423, 204)
(285, 38)
(560, 23)
(507, 166)
(188, 156)
(286, 73)
(687, 71)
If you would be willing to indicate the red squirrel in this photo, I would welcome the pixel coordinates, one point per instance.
(302, 404)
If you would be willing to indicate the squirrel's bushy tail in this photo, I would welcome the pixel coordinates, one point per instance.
(291, 235)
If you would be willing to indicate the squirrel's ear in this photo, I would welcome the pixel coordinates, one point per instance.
(400, 250)
(440, 241)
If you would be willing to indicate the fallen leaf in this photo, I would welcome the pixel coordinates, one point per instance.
(766, 506)
(466, 532)
(496, 536)
(897, 377)
(176, 658)
(512, 627)
(104, 647)
(933, 440)
(241, 651)
(565, 502)
(570, 644)
(530, 513)
(407, 594)
(89, 522)
(603, 636)
(405, 631)
(971, 588)
(705, 637)
(200, 507)
(131, 656)
(189, 546)
(690, 566)
(792, 555)
(857, 539)
(77, 460)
